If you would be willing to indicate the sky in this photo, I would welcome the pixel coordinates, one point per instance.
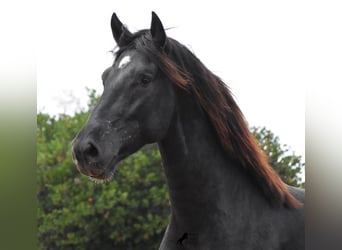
(256, 47)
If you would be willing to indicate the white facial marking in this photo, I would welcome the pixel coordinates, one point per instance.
(124, 61)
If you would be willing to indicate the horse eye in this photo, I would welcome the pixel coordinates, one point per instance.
(145, 79)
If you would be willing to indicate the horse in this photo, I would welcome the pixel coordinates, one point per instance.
(223, 193)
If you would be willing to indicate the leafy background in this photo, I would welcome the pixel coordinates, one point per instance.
(130, 212)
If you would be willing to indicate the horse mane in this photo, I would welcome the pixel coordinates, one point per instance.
(215, 98)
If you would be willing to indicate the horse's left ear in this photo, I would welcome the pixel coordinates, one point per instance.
(157, 31)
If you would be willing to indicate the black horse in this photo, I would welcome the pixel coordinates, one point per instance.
(223, 193)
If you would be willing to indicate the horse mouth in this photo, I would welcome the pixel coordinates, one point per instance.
(97, 173)
(101, 176)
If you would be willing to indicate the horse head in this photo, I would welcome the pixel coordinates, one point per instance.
(135, 108)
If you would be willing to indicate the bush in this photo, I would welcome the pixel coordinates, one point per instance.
(130, 212)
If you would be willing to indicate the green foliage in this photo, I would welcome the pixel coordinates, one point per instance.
(130, 212)
(93, 98)
(288, 166)
(75, 213)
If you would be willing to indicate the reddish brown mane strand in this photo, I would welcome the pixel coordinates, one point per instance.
(175, 74)
(215, 98)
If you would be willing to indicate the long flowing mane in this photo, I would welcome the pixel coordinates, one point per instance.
(181, 66)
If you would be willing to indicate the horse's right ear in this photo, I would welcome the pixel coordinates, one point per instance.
(117, 27)
(120, 33)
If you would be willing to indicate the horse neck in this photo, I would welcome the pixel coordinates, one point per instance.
(201, 178)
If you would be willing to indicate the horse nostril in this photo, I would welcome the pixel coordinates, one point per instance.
(91, 150)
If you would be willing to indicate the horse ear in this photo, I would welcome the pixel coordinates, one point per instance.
(157, 31)
(117, 27)
(121, 34)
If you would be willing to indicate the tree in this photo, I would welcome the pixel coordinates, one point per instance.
(288, 166)
(75, 213)
(130, 212)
